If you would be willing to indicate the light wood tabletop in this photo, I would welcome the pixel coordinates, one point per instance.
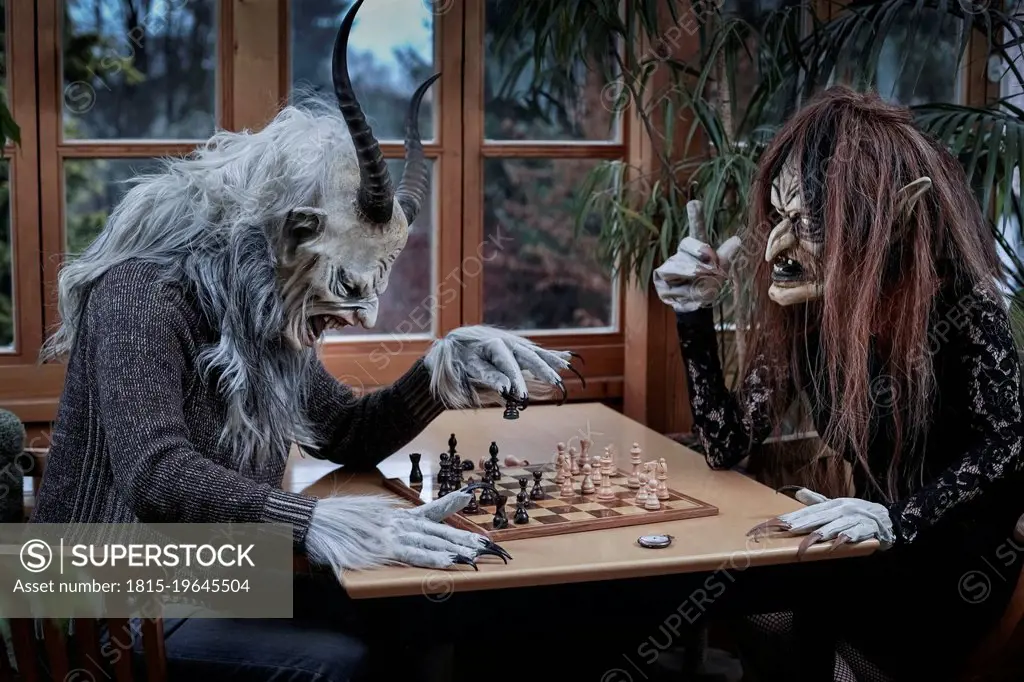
(707, 544)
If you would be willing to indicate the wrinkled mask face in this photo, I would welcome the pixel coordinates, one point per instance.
(795, 244)
(335, 266)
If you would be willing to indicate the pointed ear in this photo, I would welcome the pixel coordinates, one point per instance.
(303, 225)
(909, 195)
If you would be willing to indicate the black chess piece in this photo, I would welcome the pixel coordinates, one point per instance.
(415, 475)
(511, 410)
(500, 518)
(523, 482)
(494, 461)
(473, 507)
(521, 516)
(487, 494)
(444, 476)
(538, 490)
(455, 472)
(452, 443)
(467, 465)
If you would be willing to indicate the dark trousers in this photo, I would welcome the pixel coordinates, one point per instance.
(321, 643)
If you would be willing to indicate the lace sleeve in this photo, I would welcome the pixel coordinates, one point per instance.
(993, 394)
(727, 427)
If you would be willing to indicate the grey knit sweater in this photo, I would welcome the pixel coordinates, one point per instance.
(137, 431)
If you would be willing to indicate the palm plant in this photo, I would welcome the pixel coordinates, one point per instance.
(742, 74)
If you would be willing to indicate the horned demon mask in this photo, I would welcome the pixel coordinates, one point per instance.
(336, 258)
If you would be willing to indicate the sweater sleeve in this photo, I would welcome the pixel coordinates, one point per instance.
(993, 396)
(361, 431)
(727, 425)
(140, 346)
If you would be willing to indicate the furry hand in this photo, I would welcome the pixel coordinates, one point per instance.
(481, 365)
(358, 532)
(841, 520)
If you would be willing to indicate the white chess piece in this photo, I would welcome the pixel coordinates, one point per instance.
(605, 492)
(567, 483)
(598, 469)
(573, 460)
(559, 466)
(662, 479)
(588, 483)
(585, 444)
(634, 457)
(641, 493)
(652, 502)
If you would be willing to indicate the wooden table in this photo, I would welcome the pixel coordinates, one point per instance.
(702, 546)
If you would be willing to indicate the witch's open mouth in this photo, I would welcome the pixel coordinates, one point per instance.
(785, 270)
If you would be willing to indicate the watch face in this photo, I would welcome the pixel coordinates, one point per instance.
(655, 541)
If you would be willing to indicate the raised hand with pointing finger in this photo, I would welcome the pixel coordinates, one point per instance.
(693, 277)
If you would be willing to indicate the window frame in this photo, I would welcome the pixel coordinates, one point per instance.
(253, 42)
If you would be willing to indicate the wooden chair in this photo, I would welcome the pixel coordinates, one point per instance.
(58, 653)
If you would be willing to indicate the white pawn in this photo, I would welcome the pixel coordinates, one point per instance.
(574, 465)
(641, 493)
(598, 470)
(652, 503)
(588, 483)
(559, 467)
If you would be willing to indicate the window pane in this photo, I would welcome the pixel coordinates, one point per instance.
(92, 187)
(537, 274)
(6, 262)
(918, 62)
(516, 107)
(390, 53)
(406, 306)
(132, 73)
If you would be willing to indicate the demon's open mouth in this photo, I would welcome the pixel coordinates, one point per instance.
(316, 325)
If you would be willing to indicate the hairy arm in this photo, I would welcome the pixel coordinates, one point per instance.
(360, 432)
(727, 427)
(993, 393)
(141, 343)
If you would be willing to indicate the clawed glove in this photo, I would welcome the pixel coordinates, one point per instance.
(366, 531)
(841, 520)
(481, 365)
(693, 277)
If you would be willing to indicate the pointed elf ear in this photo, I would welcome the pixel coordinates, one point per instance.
(909, 195)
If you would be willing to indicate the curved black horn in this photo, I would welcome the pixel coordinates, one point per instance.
(376, 194)
(412, 188)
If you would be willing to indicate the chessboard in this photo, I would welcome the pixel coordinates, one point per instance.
(550, 508)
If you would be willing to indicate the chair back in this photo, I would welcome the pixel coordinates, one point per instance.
(51, 651)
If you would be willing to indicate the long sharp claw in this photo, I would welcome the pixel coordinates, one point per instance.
(582, 380)
(497, 548)
(768, 526)
(788, 489)
(491, 552)
(806, 543)
(839, 541)
(459, 559)
(574, 354)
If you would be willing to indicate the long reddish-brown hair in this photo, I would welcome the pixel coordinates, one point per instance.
(883, 269)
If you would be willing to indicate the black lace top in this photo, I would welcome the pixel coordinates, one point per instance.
(970, 463)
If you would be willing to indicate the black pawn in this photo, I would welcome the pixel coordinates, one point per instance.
(415, 475)
(522, 491)
(487, 494)
(521, 516)
(511, 410)
(456, 472)
(500, 518)
(538, 490)
(452, 443)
